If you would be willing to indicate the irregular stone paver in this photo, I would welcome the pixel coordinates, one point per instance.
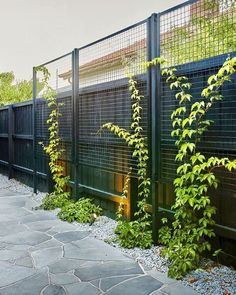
(54, 290)
(63, 227)
(71, 236)
(27, 238)
(12, 254)
(7, 218)
(8, 202)
(25, 261)
(15, 212)
(92, 249)
(11, 228)
(46, 256)
(31, 286)
(42, 255)
(38, 217)
(98, 270)
(48, 244)
(143, 285)
(23, 247)
(43, 225)
(10, 274)
(64, 265)
(81, 289)
(63, 279)
(107, 283)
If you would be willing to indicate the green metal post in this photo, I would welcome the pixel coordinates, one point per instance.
(154, 116)
(75, 118)
(34, 131)
(10, 141)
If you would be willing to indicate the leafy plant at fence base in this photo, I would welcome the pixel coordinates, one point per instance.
(52, 201)
(59, 197)
(192, 228)
(130, 233)
(81, 211)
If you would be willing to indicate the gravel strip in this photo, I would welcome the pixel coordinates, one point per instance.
(209, 279)
(212, 279)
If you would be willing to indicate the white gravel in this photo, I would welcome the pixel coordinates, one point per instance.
(210, 279)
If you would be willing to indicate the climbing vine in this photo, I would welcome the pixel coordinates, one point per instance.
(53, 149)
(135, 233)
(192, 228)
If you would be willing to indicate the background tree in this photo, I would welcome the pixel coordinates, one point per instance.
(12, 90)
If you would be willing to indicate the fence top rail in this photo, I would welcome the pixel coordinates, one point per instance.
(16, 105)
(53, 60)
(4, 108)
(114, 34)
(177, 6)
(22, 104)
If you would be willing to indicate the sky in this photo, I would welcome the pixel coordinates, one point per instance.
(35, 31)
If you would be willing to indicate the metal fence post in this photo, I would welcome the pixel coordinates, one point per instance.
(10, 141)
(154, 116)
(34, 130)
(75, 118)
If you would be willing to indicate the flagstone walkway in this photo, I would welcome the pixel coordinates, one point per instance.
(41, 255)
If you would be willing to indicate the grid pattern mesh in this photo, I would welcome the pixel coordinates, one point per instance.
(104, 97)
(196, 39)
(197, 31)
(63, 88)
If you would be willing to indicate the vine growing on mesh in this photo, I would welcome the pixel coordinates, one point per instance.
(188, 238)
(53, 149)
(135, 233)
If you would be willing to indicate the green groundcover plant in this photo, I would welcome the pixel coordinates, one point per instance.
(83, 211)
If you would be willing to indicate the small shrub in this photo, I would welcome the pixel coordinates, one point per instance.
(81, 211)
(53, 201)
(134, 234)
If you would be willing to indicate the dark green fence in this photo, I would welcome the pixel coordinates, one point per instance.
(196, 37)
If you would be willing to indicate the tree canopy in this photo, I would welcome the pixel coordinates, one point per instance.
(12, 90)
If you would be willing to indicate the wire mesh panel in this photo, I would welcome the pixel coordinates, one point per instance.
(104, 97)
(196, 39)
(63, 94)
(197, 31)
